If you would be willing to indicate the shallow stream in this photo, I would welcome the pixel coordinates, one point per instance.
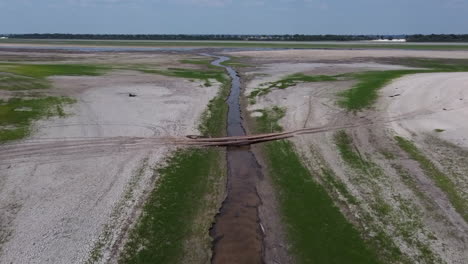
(237, 231)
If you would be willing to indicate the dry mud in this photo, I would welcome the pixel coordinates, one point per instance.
(59, 206)
(419, 218)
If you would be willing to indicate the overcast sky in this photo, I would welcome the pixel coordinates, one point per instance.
(234, 16)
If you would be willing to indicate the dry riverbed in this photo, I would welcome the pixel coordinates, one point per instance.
(76, 204)
(87, 174)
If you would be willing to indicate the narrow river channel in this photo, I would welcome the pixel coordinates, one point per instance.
(237, 232)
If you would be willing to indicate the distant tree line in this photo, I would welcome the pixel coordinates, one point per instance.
(438, 38)
(295, 37)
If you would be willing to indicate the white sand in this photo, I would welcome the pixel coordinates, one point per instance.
(425, 96)
(316, 55)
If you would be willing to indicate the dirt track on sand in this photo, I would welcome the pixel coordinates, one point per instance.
(56, 205)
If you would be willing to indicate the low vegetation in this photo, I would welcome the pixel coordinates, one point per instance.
(23, 77)
(317, 229)
(319, 233)
(204, 74)
(170, 212)
(235, 62)
(268, 121)
(289, 81)
(214, 118)
(16, 115)
(178, 213)
(45, 70)
(396, 213)
(12, 82)
(365, 92)
(442, 181)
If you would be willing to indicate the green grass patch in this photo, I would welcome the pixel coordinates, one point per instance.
(213, 121)
(194, 74)
(348, 153)
(21, 77)
(13, 82)
(204, 61)
(365, 92)
(438, 130)
(235, 62)
(16, 115)
(268, 121)
(318, 231)
(45, 70)
(441, 180)
(289, 81)
(331, 180)
(170, 212)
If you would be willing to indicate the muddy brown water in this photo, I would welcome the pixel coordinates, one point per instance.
(237, 231)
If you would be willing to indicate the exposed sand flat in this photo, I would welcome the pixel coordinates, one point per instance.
(317, 55)
(439, 99)
(314, 105)
(304, 102)
(55, 209)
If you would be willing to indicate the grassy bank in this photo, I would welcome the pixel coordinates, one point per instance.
(442, 181)
(173, 227)
(170, 212)
(233, 44)
(317, 230)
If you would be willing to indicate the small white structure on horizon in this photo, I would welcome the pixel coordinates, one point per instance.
(390, 40)
(3, 37)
